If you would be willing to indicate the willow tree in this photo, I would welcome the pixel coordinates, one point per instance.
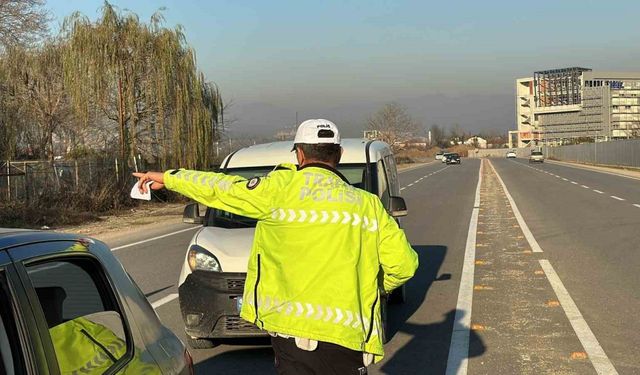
(144, 78)
(34, 98)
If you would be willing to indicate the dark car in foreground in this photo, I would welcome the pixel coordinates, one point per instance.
(452, 158)
(69, 307)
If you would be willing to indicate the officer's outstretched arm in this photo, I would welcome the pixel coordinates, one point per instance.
(398, 259)
(233, 194)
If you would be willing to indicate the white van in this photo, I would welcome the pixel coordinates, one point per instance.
(212, 279)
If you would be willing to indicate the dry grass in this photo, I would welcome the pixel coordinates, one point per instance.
(57, 208)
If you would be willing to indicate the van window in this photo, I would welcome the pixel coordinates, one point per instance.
(80, 309)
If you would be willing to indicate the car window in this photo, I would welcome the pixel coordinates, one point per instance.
(79, 306)
(11, 355)
(383, 185)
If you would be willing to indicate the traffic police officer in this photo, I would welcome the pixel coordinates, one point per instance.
(314, 279)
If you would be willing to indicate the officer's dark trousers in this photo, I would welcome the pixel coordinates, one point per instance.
(327, 359)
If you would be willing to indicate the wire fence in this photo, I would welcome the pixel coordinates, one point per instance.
(625, 153)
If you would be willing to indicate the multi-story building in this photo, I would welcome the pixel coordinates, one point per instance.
(562, 105)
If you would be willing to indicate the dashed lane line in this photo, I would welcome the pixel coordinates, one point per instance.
(637, 205)
(576, 183)
(154, 238)
(595, 353)
(164, 300)
(430, 174)
(590, 343)
(458, 359)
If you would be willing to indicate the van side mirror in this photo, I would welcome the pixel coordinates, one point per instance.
(191, 214)
(397, 207)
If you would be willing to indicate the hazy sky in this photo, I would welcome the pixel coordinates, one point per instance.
(309, 56)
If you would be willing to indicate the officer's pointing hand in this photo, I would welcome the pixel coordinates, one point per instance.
(143, 178)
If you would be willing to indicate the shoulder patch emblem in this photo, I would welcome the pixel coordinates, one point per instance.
(253, 183)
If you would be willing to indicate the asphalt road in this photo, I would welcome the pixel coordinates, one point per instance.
(587, 232)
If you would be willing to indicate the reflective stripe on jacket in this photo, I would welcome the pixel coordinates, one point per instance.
(318, 250)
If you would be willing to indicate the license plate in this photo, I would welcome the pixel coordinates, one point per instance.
(239, 303)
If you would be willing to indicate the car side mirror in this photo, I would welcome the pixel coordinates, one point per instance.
(191, 214)
(397, 207)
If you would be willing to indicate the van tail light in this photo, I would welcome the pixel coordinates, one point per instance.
(189, 361)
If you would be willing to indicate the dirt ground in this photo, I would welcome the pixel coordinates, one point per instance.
(135, 219)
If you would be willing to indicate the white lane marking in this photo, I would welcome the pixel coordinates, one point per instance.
(525, 228)
(402, 188)
(163, 300)
(618, 198)
(564, 179)
(416, 181)
(596, 354)
(637, 205)
(415, 167)
(585, 186)
(410, 184)
(598, 191)
(155, 238)
(458, 359)
(566, 164)
(573, 182)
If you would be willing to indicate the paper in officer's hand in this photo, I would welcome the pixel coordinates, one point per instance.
(136, 194)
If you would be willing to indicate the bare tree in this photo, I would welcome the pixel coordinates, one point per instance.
(392, 124)
(438, 137)
(22, 22)
(35, 82)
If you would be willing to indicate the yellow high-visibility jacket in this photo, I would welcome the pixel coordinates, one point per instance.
(320, 247)
(85, 347)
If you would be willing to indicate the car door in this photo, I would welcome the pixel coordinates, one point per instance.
(17, 336)
(81, 321)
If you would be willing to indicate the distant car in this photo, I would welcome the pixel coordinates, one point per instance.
(69, 307)
(439, 155)
(445, 156)
(536, 157)
(453, 158)
(511, 154)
